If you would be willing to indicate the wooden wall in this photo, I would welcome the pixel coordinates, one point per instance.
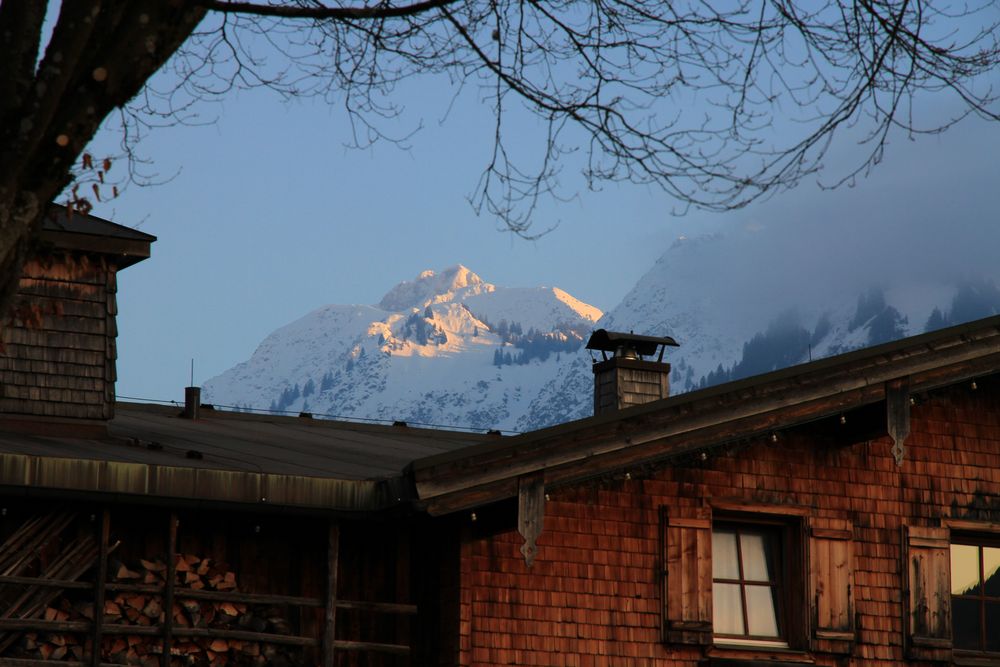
(273, 613)
(58, 349)
(594, 594)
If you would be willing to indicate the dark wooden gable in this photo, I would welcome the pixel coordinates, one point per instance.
(58, 352)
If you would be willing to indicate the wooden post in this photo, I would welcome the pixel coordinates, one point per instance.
(99, 587)
(168, 593)
(333, 562)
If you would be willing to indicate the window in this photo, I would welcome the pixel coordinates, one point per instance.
(756, 577)
(975, 595)
(747, 587)
(745, 582)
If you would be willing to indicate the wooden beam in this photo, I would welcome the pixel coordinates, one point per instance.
(530, 513)
(168, 593)
(897, 406)
(333, 564)
(104, 533)
(42, 582)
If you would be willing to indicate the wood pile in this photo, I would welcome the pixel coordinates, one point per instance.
(135, 598)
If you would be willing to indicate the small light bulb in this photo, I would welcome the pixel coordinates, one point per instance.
(843, 419)
(473, 516)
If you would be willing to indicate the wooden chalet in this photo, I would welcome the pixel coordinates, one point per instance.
(841, 512)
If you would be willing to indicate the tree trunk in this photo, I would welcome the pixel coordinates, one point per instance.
(99, 56)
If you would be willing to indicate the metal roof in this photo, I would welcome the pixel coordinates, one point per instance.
(231, 457)
(274, 444)
(610, 341)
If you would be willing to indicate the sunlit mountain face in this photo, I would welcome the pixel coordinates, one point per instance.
(446, 348)
(449, 348)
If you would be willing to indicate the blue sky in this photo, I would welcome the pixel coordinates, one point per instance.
(265, 215)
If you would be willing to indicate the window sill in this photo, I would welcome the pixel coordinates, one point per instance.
(743, 655)
(973, 658)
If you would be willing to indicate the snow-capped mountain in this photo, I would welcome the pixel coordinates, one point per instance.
(736, 314)
(453, 350)
(446, 348)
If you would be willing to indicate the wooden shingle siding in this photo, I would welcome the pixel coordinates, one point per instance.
(59, 351)
(622, 383)
(594, 595)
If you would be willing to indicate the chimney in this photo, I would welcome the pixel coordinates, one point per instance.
(57, 359)
(192, 401)
(629, 376)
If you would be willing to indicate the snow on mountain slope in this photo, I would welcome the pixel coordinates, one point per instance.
(446, 348)
(451, 349)
(737, 312)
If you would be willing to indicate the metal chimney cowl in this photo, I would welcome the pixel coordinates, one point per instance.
(627, 378)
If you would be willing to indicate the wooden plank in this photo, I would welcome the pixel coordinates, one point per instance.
(168, 594)
(246, 635)
(47, 583)
(378, 647)
(333, 564)
(897, 402)
(104, 534)
(530, 513)
(379, 607)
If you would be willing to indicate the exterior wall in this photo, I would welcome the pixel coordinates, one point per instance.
(58, 350)
(593, 596)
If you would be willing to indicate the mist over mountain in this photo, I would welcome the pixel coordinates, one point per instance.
(449, 348)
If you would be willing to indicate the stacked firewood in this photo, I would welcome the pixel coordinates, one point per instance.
(138, 601)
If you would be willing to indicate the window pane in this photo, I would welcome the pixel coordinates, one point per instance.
(757, 556)
(727, 610)
(965, 623)
(724, 562)
(964, 569)
(761, 611)
(992, 626)
(991, 572)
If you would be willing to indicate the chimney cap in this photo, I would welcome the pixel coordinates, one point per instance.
(610, 341)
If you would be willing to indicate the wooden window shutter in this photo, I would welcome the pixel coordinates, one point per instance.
(831, 584)
(687, 584)
(928, 608)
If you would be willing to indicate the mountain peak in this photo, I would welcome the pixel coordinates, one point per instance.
(429, 285)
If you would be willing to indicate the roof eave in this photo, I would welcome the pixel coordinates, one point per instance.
(204, 485)
(686, 423)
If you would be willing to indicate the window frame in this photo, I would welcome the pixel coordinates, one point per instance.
(775, 540)
(790, 577)
(979, 540)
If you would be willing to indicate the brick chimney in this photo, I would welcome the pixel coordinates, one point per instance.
(628, 377)
(57, 360)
